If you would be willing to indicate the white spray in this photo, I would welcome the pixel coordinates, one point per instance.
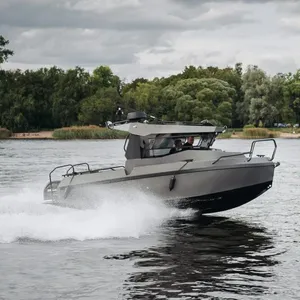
(117, 214)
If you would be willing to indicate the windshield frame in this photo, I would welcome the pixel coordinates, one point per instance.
(161, 145)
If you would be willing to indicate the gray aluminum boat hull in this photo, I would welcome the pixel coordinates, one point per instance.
(157, 163)
(200, 185)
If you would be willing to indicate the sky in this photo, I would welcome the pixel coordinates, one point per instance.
(152, 38)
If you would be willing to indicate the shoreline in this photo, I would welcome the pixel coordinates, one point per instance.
(47, 135)
(40, 135)
(282, 135)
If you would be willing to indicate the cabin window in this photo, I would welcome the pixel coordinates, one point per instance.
(164, 144)
(137, 147)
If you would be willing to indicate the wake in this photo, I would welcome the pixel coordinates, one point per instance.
(115, 214)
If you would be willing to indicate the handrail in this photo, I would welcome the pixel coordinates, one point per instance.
(262, 140)
(251, 151)
(231, 155)
(50, 175)
(95, 170)
(125, 143)
(107, 168)
(67, 174)
(80, 164)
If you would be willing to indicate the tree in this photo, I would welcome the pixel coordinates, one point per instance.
(237, 83)
(146, 97)
(70, 90)
(257, 90)
(4, 52)
(103, 77)
(204, 98)
(51, 97)
(261, 111)
(100, 107)
(184, 108)
(276, 97)
(168, 99)
(134, 84)
(292, 98)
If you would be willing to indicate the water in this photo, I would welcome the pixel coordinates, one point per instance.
(134, 247)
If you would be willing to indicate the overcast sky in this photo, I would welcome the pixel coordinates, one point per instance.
(148, 38)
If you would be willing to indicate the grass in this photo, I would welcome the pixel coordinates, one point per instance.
(225, 135)
(286, 130)
(258, 133)
(5, 133)
(249, 126)
(87, 132)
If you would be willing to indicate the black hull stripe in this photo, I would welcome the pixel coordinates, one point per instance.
(226, 200)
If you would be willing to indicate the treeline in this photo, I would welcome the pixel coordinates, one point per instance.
(52, 97)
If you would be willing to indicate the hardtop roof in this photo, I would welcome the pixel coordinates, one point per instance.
(144, 129)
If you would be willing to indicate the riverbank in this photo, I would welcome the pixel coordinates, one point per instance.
(71, 133)
(41, 135)
(271, 134)
(281, 135)
(48, 135)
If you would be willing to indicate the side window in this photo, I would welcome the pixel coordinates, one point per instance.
(206, 140)
(160, 146)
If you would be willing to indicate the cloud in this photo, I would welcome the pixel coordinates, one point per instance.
(150, 37)
(192, 4)
(291, 24)
(135, 16)
(289, 7)
(278, 62)
(79, 47)
(289, 17)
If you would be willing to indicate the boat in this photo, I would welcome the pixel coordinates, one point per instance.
(194, 175)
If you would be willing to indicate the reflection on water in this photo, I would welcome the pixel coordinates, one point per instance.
(204, 257)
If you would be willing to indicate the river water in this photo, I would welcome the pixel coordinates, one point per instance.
(132, 246)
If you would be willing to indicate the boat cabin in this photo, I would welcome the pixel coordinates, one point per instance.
(166, 144)
(157, 140)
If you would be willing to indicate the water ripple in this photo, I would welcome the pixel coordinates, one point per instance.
(143, 250)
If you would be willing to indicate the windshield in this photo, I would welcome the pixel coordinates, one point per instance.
(168, 144)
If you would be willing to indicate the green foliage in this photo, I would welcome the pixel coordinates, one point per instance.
(100, 107)
(261, 112)
(205, 98)
(53, 98)
(71, 89)
(103, 78)
(144, 96)
(249, 126)
(4, 52)
(257, 133)
(5, 133)
(87, 132)
(225, 135)
(292, 97)
(254, 106)
(134, 84)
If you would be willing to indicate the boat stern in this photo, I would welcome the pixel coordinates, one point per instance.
(51, 190)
